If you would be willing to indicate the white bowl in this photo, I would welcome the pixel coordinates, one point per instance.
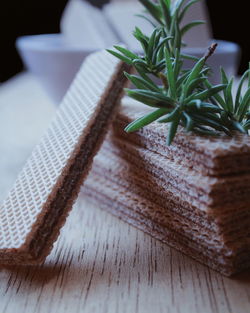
(52, 60)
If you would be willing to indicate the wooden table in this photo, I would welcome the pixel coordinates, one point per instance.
(99, 264)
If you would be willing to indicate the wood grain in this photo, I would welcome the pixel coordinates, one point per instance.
(99, 264)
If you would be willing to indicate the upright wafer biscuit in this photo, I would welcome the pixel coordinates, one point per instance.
(38, 204)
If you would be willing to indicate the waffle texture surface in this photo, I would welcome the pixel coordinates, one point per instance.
(213, 156)
(41, 178)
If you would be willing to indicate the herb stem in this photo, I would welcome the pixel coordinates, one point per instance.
(164, 80)
(210, 51)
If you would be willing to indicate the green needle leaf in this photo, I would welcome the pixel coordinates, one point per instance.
(145, 120)
(224, 78)
(173, 129)
(147, 19)
(166, 12)
(217, 97)
(247, 125)
(177, 5)
(189, 122)
(141, 83)
(206, 94)
(204, 131)
(195, 72)
(151, 44)
(120, 56)
(238, 94)
(244, 105)
(186, 8)
(187, 27)
(141, 38)
(160, 45)
(170, 117)
(151, 98)
(211, 121)
(239, 127)
(178, 36)
(168, 2)
(194, 84)
(203, 106)
(126, 52)
(182, 79)
(153, 9)
(170, 75)
(229, 97)
(144, 75)
(189, 57)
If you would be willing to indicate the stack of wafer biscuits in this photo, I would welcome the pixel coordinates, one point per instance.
(193, 195)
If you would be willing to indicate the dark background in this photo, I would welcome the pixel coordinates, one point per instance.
(26, 17)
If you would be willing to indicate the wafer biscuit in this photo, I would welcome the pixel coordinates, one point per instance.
(214, 156)
(38, 204)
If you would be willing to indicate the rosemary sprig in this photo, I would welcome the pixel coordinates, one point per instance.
(178, 95)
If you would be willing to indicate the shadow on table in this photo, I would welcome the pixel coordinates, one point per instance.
(242, 277)
(93, 272)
